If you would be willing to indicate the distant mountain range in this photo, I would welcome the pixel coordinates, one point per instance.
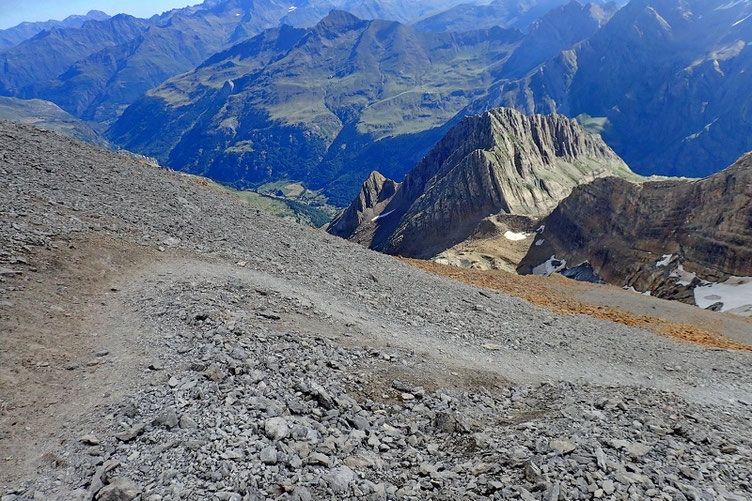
(94, 66)
(13, 36)
(207, 90)
(95, 71)
(329, 104)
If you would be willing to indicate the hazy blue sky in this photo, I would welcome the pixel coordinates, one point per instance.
(13, 12)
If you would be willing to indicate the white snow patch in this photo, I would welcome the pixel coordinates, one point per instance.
(541, 229)
(664, 261)
(685, 277)
(540, 242)
(381, 215)
(632, 289)
(735, 292)
(510, 235)
(551, 266)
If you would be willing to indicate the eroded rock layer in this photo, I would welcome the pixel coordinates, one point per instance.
(670, 238)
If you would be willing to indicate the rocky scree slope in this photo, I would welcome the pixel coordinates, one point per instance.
(670, 238)
(256, 359)
(500, 163)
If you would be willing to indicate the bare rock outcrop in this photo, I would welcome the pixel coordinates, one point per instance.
(500, 163)
(374, 194)
(671, 238)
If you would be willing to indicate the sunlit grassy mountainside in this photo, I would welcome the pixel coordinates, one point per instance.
(316, 105)
(326, 105)
(94, 66)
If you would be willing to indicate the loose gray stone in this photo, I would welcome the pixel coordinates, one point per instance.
(269, 455)
(168, 418)
(340, 479)
(131, 433)
(120, 489)
(276, 428)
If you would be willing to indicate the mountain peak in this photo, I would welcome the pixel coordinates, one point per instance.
(340, 20)
(366, 209)
(97, 14)
(501, 165)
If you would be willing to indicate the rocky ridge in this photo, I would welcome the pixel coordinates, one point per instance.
(501, 164)
(14, 35)
(262, 359)
(669, 238)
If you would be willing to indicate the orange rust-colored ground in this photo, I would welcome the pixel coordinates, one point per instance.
(549, 293)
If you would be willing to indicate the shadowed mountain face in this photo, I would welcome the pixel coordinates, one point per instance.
(664, 80)
(557, 30)
(499, 163)
(669, 238)
(13, 36)
(325, 105)
(397, 10)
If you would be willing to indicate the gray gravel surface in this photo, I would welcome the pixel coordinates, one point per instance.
(253, 358)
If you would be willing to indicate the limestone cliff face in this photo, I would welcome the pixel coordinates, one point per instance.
(499, 163)
(354, 222)
(665, 237)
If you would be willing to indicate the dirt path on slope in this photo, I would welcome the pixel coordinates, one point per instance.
(71, 346)
(562, 295)
(68, 347)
